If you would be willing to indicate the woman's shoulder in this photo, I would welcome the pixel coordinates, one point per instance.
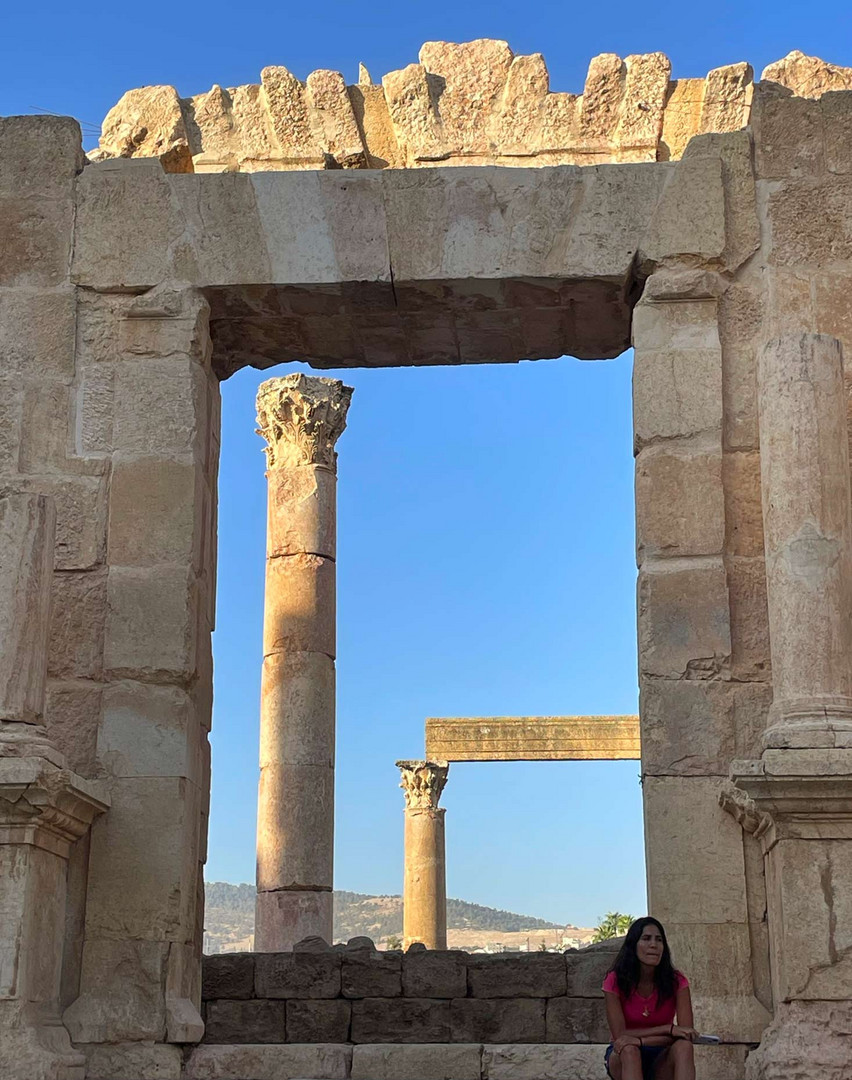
(610, 983)
(681, 980)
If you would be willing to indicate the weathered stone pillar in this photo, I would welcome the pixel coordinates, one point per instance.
(808, 535)
(797, 798)
(424, 894)
(301, 418)
(44, 808)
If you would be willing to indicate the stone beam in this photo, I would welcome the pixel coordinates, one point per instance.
(533, 738)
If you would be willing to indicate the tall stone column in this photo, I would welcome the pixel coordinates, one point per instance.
(301, 418)
(44, 807)
(807, 515)
(424, 895)
(797, 798)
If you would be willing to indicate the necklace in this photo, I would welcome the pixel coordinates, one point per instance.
(645, 1011)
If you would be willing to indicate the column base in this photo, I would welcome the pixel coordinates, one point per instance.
(287, 916)
(810, 723)
(33, 1048)
(807, 1040)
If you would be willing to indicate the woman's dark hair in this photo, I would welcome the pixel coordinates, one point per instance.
(627, 968)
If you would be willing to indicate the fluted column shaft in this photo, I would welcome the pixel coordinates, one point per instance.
(808, 536)
(425, 876)
(301, 418)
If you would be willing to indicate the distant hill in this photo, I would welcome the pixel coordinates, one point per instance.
(229, 917)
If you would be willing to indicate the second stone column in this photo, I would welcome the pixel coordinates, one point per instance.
(301, 418)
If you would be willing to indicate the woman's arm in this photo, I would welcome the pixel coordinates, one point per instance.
(685, 1028)
(614, 1015)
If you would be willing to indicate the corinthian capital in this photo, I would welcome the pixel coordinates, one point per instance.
(423, 782)
(302, 417)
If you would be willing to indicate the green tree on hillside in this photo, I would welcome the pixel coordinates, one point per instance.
(613, 924)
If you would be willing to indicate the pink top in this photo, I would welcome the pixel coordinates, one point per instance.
(642, 1012)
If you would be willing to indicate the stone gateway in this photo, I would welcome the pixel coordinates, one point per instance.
(457, 212)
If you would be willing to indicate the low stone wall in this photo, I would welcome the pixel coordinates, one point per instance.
(360, 995)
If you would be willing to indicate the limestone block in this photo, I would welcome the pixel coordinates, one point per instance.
(72, 715)
(415, 119)
(322, 228)
(679, 501)
(697, 727)
(295, 828)
(426, 973)
(301, 511)
(161, 408)
(807, 76)
(726, 104)
(836, 109)
(743, 512)
(690, 217)
(684, 626)
(543, 1062)
(320, 1061)
(152, 623)
(299, 613)
(39, 155)
(678, 809)
(133, 1060)
(27, 524)
(78, 620)
(430, 1062)
(750, 652)
(156, 512)
(333, 120)
(832, 315)
(318, 1021)
(245, 1022)
(297, 695)
(81, 503)
(806, 1039)
(135, 890)
(37, 333)
(724, 999)
(681, 116)
(35, 238)
(227, 975)
(812, 963)
(676, 393)
(576, 1020)
(30, 931)
(148, 122)
(11, 415)
(169, 320)
(403, 1020)
(123, 225)
(532, 975)
(602, 95)
(525, 98)
(824, 235)
(788, 135)
(288, 915)
(640, 121)
(586, 968)
(288, 112)
(297, 975)
(720, 1062)
(680, 325)
(149, 730)
(369, 973)
(122, 992)
(472, 77)
(494, 1020)
(45, 433)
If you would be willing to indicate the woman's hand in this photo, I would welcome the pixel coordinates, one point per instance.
(688, 1033)
(624, 1040)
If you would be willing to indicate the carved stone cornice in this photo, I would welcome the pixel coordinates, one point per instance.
(46, 806)
(423, 782)
(793, 794)
(301, 417)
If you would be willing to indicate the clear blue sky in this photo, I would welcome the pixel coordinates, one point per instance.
(486, 529)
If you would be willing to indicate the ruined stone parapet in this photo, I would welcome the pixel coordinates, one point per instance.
(473, 103)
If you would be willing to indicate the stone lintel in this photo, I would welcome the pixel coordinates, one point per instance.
(533, 738)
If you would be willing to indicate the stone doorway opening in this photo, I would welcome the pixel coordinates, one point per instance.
(499, 557)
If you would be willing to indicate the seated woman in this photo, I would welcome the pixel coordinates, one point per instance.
(648, 1009)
